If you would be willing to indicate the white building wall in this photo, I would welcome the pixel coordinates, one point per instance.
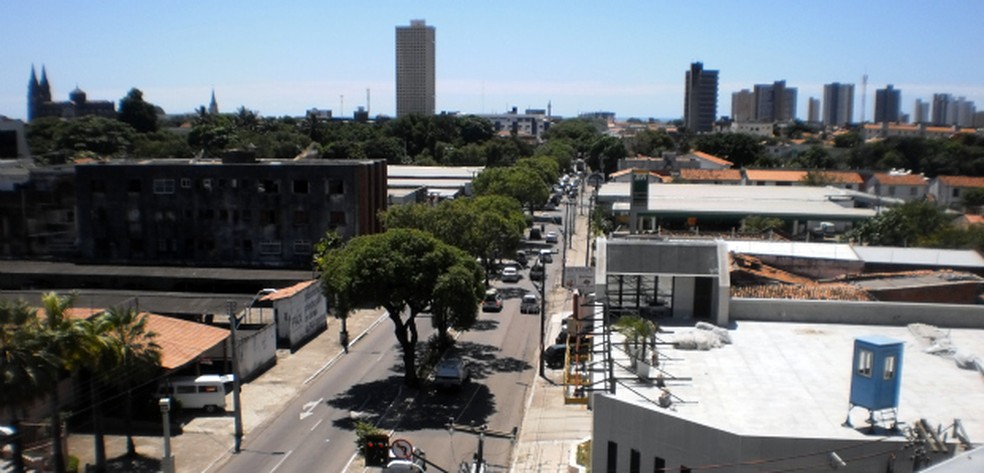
(300, 316)
(683, 296)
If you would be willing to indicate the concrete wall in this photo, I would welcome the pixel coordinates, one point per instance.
(857, 313)
(301, 316)
(257, 350)
(660, 433)
(683, 297)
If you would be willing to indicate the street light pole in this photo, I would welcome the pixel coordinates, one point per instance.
(236, 405)
(167, 462)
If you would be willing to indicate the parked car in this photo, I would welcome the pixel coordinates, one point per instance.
(492, 301)
(551, 237)
(530, 304)
(207, 391)
(546, 256)
(451, 373)
(535, 234)
(521, 258)
(510, 274)
(536, 272)
(553, 356)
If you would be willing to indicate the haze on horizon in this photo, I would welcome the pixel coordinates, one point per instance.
(629, 58)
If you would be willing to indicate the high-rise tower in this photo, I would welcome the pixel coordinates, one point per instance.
(700, 99)
(415, 69)
(887, 102)
(838, 104)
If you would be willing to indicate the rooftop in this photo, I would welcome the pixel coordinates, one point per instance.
(711, 174)
(961, 181)
(900, 179)
(793, 379)
(778, 175)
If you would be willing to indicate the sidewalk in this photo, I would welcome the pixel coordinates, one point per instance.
(207, 442)
(551, 429)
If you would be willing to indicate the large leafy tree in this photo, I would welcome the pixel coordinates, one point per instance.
(136, 112)
(739, 148)
(523, 183)
(403, 271)
(25, 365)
(910, 224)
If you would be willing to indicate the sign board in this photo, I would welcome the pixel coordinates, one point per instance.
(581, 278)
(595, 179)
(402, 449)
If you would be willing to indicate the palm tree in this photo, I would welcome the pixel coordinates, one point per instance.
(138, 356)
(107, 355)
(25, 366)
(68, 347)
(638, 330)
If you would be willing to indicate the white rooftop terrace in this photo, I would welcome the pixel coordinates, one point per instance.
(793, 380)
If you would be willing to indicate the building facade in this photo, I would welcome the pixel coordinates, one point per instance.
(700, 99)
(813, 110)
(39, 103)
(838, 104)
(887, 105)
(415, 66)
(742, 106)
(241, 212)
(920, 112)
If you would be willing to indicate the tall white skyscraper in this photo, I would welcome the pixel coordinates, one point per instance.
(415, 69)
(838, 104)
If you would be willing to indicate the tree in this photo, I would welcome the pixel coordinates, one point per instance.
(138, 354)
(848, 139)
(651, 143)
(973, 198)
(760, 224)
(104, 357)
(605, 153)
(522, 183)
(739, 148)
(137, 113)
(25, 365)
(909, 224)
(401, 271)
(639, 331)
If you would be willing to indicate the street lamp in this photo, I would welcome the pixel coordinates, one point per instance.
(237, 409)
(259, 294)
(543, 326)
(167, 462)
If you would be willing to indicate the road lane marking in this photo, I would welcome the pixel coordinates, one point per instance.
(316, 425)
(309, 408)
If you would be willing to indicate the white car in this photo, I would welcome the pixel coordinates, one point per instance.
(510, 274)
(551, 237)
(451, 373)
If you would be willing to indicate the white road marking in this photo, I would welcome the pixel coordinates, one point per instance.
(281, 462)
(316, 425)
(309, 408)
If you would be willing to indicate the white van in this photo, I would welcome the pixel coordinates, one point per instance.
(207, 391)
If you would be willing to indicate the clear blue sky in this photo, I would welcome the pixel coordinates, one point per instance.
(629, 57)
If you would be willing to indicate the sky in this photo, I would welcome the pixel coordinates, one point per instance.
(627, 57)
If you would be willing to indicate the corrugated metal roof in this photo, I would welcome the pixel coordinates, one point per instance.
(830, 251)
(920, 256)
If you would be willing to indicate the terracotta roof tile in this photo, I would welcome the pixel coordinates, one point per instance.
(712, 158)
(962, 181)
(182, 341)
(288, 291)
(843, 177)
(778, 175)
(900, 179)
(697, 175)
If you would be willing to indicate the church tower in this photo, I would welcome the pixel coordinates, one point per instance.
(213, 106)
(38, 93)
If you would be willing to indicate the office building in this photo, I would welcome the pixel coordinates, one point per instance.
(941, 108)
(700, 99)
(742, 106)
(887, 105)
(415, 69)
(813, 110)
(838, 104)
(920, 112)
(775, 102)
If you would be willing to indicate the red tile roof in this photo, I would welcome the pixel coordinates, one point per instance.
(962, 181)
(843, 177)
(288, 291)
(182, 341)
(899, 179)
(712, 158)
(697, 175)
(778, 175)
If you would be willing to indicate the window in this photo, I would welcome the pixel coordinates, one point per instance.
(133, 186)
(889, 367)
(301, 186)
(185, 183)
(163, 186)
(247, 246)
(268, 217)
(208, 389)
(270, 248)
(268, 186)
(612, 460)
(912, 191)
(633, 461)
(659, 465)
(300, 217)
(684, 469)
(302, 247)
(336, 219)
(185, 389)
(335, 187)
(864, 363)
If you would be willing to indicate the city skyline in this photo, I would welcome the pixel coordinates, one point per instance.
(579, 57)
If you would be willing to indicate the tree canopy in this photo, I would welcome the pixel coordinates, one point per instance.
(403, 271)
(137, 113)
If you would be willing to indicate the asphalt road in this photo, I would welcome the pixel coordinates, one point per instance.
(316, 431)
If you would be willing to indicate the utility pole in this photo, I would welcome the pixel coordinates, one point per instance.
(481, 431)
(543, 326)
(237, 407)
(167, 462)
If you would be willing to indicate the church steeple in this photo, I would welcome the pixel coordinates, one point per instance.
(213, 106)
(45, 87)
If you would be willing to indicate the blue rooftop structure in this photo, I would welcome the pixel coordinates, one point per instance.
(876, 373)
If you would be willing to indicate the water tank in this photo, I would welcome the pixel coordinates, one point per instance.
(876, 372)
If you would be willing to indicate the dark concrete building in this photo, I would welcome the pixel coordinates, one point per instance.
(239, 212)
(887, 102)
(700, 99)
(37, 211)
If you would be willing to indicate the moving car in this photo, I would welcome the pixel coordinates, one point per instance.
(521, 258)
(536, 272)
(510, 274)
(551, 237)
(546, 256)
(492, 301)
(529, 305)
(451, 373)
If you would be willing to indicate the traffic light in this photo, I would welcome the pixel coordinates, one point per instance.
(376, 448)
